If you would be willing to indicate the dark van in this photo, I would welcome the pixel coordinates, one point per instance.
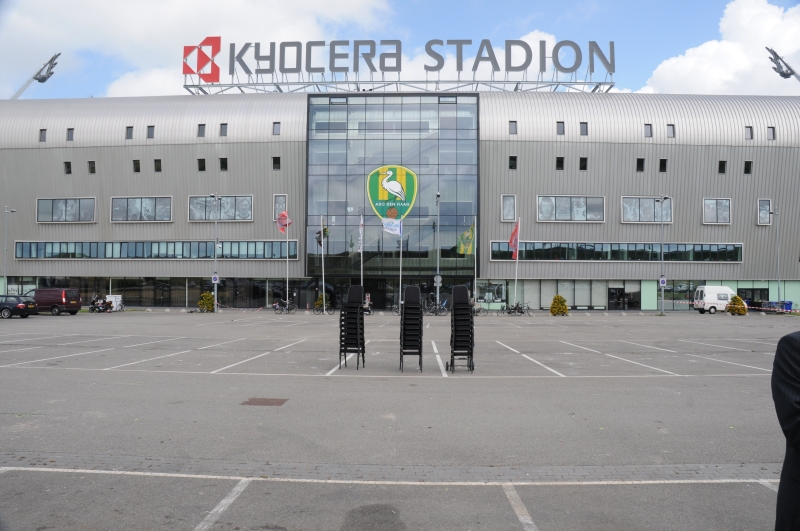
(57, 300)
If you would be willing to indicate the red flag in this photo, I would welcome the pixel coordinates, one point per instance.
(283, 221)
(513, 243)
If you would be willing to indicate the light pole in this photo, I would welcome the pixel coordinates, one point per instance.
(217, 200)
(5, 247)
(774, 212)
(438, 279)
(661, 200)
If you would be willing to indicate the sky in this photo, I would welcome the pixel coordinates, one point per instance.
(117, 49)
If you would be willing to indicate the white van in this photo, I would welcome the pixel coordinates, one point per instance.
(712, 298)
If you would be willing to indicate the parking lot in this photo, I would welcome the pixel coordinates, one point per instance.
(146, 420)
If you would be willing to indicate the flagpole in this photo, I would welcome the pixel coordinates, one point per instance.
(361, 245)
(322, 243)
(475, 260)
(516, 267)
(401, 262)
(286, 231)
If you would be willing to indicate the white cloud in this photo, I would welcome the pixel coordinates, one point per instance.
(737, 63)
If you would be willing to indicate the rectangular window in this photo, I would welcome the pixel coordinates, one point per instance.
(723, 165)
(512, 128)
(619, 252)
(223, 129)
(276, 163)
(141, 209)
(70, 134)
(157, 165)
(570, 208)
(639, 165)
(129, 133)
(648, 130)
(771, 133)
(583, 163)
(201, 130)
(276, 128)
(716, 211)
(559, 163)
(748, 167)
(508, 204)
(67, 168)
(559, 128)
(662, 166)
(584, 129)
(136, 166)
(512, 162)
(42, 135)
(92, 167)
(223, 164)
(765, 211)
(670, 131)
(201, 164)
(227, 208)
(74, 210)
(646, 210)
(278, 205)
(151, 131)
(748, 132)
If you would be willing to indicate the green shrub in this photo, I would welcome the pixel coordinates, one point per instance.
(736, 306)
(559, 306)
(206, 301)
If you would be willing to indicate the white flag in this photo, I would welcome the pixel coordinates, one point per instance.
(361, 235)
(393, 226)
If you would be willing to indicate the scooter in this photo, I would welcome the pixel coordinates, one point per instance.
(95, 304)
(107, 306)
(368, 308)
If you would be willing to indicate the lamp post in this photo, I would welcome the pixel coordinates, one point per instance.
(774, 212)
(438, 248)
(5, 247)
(661, 200)
(217, 200)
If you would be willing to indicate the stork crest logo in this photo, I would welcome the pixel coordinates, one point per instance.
(199, 59)
(392, 191)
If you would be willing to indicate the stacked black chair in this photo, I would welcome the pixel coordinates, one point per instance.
(351, 326)
(411, 326)
(462, 329)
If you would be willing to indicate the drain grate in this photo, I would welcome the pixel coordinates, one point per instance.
(265, 402)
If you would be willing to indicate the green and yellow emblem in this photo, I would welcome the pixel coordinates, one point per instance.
(391, 191)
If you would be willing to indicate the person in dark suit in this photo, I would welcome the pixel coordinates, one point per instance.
(786, 395)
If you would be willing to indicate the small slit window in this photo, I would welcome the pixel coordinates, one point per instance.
(771, 133)
(509, 207)
(276, 163)
(151, 131)
(748, 132)
(157, 165)
(92, 167)
(559, 128)
(129, 133)
(223, 164)
(512, 162)
(748, 167)
(639, 165)
(584, 129)
(662, 165)
(512, 128)
(42, 135)
(137, 167)
(670, 131)
(648, 130)
(583, 164)
(67, 168)
(70, 134)
(223, 129)
(201, 130)
(722, 166)
(276, 128)
(201, 164)
(559, 163)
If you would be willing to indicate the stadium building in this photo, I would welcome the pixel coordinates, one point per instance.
(112, 195)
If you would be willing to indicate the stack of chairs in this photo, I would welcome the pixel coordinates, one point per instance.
(411, 326)
(462, 329)
(351, 326)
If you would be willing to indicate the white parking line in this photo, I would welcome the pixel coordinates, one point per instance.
(730, 362)
(441, 366)
(519, 508)
(643, 365)
(239, 363)
(755, 341)
(770, 485)
(290, 344)
(578, 346)
(214, 515)
(509, 348)
(18, 349)
(55, 358)
(142, 361)
(35, 338)
(337, 367)
(646, 346)
(92, 340)
(717, 346)
(542, 365)
(225, 343)
(151, 342)
(435, 350)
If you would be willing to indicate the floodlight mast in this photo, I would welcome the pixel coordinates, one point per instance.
(782, 67)
(41, 75)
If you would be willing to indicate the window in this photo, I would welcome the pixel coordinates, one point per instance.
(723, 165)
(276, 163)
(662, 165)
(512, 128)
(223, 164)
(157, 165)
(276, 128)
(748, 132)
(508, 204)
(571, 208)
(42, 135)
(748, 167)
(201, 164)
(722, 296)
(278, 205)
(228, 208)
(584, 129)
(646, 210)
(92, 167)
(559, 163)
(151, 131)
(70, 135)
(141, 209)
(639, 165)
(583, 163)
(76, 210)
(129, 133)
(619, 252)
(771, 133)
(512, 162)
(670, 131)
(136, 167)
(765, 211)
(67, 168)
(648, 130)
(201, 130)
(559, 128)
(716, 211)
(223, 129)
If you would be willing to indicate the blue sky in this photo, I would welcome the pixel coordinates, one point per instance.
(108, 51)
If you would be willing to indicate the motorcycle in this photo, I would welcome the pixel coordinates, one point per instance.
(368, 308)
(100, 305)
(107, 306)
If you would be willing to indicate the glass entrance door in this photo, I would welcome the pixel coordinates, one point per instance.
(616, 299)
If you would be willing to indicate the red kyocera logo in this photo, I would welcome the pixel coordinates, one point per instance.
(202, 56)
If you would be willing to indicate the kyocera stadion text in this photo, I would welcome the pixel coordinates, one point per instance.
(342, 57)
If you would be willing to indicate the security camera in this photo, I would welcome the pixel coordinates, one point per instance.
(438, 194)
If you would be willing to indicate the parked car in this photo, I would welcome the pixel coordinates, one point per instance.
(712, 298)
(57, 300)
(11, 305)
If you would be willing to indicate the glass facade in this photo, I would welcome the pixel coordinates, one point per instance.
(264, 250)
(436, 137)
(647, 252)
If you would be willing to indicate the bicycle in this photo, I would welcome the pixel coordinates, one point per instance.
(438, 309)
(396, 309)
(478, 309)
(328, 309)
(284, 307)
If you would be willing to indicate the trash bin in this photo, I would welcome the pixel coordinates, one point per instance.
(787, 306)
